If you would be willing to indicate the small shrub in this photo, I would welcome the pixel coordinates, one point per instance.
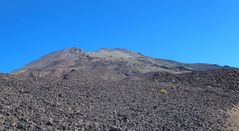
(163, 91)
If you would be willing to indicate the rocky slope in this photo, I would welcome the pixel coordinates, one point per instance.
(192, 101)
(116, 89)
(104, 64)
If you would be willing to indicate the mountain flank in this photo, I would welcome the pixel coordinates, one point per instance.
(104, 64)
(118, 90)
(199, 100)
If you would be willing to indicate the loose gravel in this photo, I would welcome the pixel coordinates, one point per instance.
(194, 101)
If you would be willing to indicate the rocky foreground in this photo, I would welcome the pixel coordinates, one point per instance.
(192, 101)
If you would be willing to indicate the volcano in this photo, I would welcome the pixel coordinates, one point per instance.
(104, 64)
(118, 90)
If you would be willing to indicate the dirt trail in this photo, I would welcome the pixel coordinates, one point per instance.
(234, 118)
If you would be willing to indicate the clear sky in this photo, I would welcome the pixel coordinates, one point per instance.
(191, 31)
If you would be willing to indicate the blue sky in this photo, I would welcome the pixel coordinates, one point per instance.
(191, 31)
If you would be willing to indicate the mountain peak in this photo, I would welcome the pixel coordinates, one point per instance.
(73, 50)
(106, 64)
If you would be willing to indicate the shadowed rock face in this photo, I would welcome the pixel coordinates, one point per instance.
(103, 64)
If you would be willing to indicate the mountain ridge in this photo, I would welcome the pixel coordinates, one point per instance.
(104, 64)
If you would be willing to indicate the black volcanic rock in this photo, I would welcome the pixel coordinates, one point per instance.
(104, 64)
(116, 89)
(194, 101)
